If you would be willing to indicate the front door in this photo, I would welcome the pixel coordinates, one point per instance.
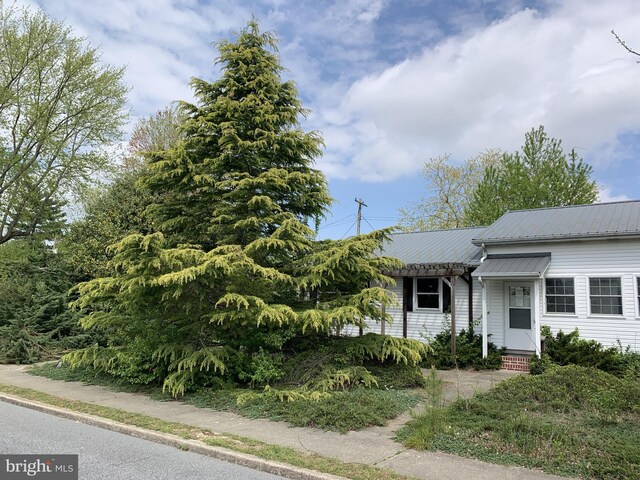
(519, 316)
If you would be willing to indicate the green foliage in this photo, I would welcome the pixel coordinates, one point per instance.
(542, 175)
(570, 349)
(468, 352)
(243, 152)
(571, 420)
(58, 106)
(110, 213)
(343, 411)
(234, 275)
(450, 189)
(35, 323)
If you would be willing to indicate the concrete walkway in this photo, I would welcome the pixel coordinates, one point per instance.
(374, 446)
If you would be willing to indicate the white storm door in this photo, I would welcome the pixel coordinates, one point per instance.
(519, 316)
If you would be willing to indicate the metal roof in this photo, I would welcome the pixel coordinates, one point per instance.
(505, 266)
(613, 219)
(435, 247)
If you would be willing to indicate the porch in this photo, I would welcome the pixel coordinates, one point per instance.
(511, 287)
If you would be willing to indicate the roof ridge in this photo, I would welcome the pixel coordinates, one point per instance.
(440, 230)
(570, 206)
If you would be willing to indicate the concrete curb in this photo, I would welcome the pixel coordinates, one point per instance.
(219, 453)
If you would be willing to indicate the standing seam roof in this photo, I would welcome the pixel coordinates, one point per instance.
(435, 247)
(581, 221)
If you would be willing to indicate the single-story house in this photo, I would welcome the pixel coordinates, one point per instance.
(564, 267)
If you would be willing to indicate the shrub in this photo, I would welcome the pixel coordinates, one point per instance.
(569, 349)
(468, 352)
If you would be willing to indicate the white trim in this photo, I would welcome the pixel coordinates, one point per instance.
(485, 320)
(533, 308)
(588, 292)
(537, 287)
(415, 296)
(636, 294)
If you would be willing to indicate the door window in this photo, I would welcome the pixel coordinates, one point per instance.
(520, 308)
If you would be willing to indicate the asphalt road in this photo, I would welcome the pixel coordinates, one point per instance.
(104, 454)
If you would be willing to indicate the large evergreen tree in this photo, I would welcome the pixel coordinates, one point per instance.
(246, 166)
(234, 269)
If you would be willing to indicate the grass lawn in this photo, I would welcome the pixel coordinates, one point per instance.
(571, 421)
(343, 411)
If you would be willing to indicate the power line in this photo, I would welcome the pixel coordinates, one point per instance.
(345, 233)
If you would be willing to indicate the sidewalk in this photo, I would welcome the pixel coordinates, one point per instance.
(373, 446)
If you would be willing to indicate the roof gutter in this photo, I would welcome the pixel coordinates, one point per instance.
(514, 241)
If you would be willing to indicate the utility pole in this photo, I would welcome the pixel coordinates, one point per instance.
(361, 204)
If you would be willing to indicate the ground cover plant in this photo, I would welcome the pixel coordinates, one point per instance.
(570, 420)
(341, 384)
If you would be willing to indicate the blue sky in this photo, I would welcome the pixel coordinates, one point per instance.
(391, 83)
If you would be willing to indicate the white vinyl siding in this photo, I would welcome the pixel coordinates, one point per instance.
(582, 260)
(423, 324)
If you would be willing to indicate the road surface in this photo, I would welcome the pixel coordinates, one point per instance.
(104, 454)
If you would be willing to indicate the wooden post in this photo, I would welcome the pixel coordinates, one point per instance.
(453, 316)
(384, 310)
(405, 293)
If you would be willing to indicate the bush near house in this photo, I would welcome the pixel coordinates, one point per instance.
(468, 352)
(570, 349)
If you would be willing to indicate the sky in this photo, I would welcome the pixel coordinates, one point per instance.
(392, 83)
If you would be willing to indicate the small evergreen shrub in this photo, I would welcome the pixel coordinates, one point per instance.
(468, 352)
(569, 349)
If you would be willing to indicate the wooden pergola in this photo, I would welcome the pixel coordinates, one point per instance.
(449, 272)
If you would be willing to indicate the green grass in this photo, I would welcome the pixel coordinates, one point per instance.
(342, 411)
(570, 421)
(263, 450)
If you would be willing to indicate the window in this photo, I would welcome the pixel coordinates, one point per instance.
(560, 295)
(638, 293)
(605, 295)
(428, 292)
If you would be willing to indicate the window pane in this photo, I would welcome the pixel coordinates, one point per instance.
(520, 318)
(428, 301)
(427, 285)
(560, 295)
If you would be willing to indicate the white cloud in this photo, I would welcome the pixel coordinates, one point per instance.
(607, 195)
(487, 87)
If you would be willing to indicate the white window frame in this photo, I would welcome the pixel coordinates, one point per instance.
(575, 303)
(606, 315)
(636, 295)
(415, 296)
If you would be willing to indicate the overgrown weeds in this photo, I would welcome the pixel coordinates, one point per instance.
(569, 420)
